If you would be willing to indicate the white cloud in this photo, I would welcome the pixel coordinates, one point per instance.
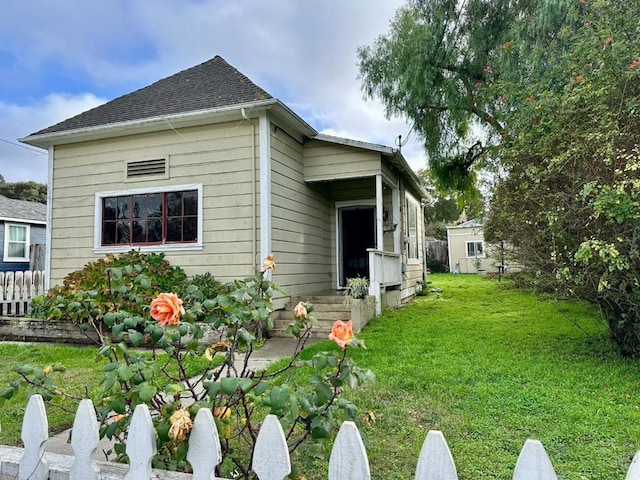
(302, 52)
(19, 162)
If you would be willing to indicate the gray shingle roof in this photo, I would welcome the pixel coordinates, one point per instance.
(22, 210)
(209, 85)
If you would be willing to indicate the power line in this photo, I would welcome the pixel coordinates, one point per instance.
(33, 150)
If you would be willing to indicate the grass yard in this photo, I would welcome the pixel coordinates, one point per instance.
(82, 371)
(490, 367)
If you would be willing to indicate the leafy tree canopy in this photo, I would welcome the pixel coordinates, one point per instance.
(450, 67)
(29, 191)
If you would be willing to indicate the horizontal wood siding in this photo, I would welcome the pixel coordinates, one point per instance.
(218, 156)
(301, 231)
(323, 161)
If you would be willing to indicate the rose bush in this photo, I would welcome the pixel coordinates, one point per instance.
(179, 373)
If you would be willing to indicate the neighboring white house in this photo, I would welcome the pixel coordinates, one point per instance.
(211, 169)
(468, 252)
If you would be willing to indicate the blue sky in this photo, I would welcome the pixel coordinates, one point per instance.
(58, 59)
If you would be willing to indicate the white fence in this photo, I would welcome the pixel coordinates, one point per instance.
(17, 289)
(348, 459)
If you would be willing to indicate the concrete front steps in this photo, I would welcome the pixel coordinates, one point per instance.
(327, 308)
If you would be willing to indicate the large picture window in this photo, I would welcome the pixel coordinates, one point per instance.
(16, 243)
(149, 217)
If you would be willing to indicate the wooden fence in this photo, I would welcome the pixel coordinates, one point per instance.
(17, 289)
(348, 459)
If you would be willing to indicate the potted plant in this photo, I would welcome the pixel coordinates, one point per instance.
(362, 305)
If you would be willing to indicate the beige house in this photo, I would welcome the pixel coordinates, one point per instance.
(212, 170)
(468, 252)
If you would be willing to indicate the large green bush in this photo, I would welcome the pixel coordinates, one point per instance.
(86, 295)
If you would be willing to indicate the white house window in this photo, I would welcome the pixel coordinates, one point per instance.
(16, 243)
(149, 217)
(475, 249)
(412, 210)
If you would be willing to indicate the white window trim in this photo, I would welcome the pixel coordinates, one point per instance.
(5, 255)
(173, 247)
(466, 249)
(413, 260)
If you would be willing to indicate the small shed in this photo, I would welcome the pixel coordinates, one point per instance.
(468, 252)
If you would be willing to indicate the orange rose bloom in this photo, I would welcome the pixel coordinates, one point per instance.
(167, 309)
(342, 333)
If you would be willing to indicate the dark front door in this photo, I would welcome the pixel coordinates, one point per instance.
(358, 232)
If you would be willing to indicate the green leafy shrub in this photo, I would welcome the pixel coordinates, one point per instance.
(86, 295)
(207, 286)
(436, 266)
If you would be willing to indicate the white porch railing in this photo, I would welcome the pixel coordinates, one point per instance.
(17, 289)
(271, 461)
(385, 270)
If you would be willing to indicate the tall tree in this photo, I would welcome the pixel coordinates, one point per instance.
(570, 198)
(443, 66)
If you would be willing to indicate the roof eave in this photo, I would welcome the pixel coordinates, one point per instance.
(292, 118)
(413, 176)
(355, 143)
(144, 125)
(23, 220)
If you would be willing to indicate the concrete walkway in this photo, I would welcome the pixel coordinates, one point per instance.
(273, 350)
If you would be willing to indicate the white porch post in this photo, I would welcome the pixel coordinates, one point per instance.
(395, 202)
(265, 189)
(374, 281)
(379, 211)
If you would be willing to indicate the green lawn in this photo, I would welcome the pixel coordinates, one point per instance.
(491, 366)
(82, 372)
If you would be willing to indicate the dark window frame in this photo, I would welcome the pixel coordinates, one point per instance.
(123, 226)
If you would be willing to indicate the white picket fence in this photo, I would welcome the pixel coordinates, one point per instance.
(17, 289)
(348, 459)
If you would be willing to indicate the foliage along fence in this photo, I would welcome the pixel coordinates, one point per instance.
(17, 289)
(348, 459)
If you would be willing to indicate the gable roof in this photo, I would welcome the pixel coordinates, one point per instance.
(22, 211)
(473, 223)
(209, 85)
